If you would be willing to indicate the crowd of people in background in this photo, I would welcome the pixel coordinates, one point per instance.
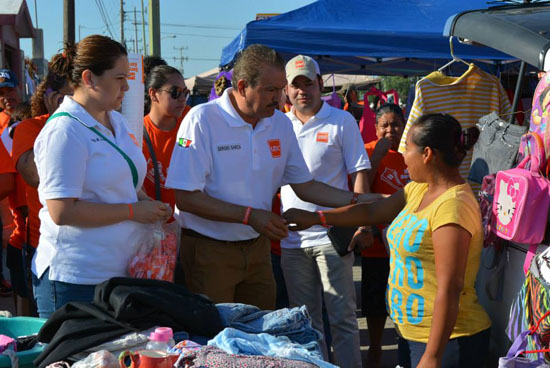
(79, 186)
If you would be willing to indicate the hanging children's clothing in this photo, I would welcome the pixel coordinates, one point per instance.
(467, 98)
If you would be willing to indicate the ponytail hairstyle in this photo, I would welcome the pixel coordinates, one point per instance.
(54, 80)
(390, 108)
(155, 79)
(443, 134)
(96, 53)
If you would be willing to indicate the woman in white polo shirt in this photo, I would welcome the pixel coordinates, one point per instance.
(91, 170)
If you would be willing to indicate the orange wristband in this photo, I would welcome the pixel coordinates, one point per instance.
(323, 219)
(247, 215)
(354, 199)
(131, 210)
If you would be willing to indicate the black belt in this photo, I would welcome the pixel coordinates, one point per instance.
(196, 235)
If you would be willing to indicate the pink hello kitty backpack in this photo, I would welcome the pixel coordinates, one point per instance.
(540, 112)
(522, 197)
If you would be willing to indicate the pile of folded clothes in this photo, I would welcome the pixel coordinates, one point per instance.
(125, 310)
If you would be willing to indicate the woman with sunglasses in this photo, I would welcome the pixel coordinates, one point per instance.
(167, 96)
(91, 171)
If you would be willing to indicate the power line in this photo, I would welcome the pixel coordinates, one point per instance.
(203, 59)
(196, 35)
(199, 26)
(104, 16)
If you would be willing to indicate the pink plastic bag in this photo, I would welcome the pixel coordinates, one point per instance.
(7, 343)
(157, 253)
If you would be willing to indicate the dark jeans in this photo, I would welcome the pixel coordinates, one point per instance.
(19, 262)
(462, 352)
(282, 295)
(52, 295)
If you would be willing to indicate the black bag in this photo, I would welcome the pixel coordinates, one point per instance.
(340, 237)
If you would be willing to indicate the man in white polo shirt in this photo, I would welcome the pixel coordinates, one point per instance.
(232, 155)
(332, 147)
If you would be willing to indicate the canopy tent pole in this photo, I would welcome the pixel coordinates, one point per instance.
(517, 92)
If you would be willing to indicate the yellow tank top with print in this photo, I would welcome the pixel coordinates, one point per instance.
(412, 283)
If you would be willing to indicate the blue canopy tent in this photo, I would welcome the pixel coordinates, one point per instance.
(391, 37)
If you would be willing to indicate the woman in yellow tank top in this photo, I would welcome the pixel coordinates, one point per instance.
(435, 240)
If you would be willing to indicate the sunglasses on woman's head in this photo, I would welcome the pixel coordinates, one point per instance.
(176, 92)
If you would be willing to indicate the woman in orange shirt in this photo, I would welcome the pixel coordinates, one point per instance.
(44, 102)
(167, 95)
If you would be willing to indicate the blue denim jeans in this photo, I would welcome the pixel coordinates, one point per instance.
(462, 352)
(293, 323)
(52, 295)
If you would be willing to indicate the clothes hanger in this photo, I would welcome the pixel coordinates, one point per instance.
(455, 58)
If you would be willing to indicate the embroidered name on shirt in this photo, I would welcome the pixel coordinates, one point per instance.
(97, 139)
(322, 137)
(274, 147)
(229, 147)
(184, 142)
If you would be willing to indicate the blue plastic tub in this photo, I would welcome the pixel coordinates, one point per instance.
(21, 326)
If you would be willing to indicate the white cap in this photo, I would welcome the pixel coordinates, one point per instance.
(301, 65)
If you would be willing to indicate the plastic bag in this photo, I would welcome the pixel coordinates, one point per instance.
(99, 359)
(156, 254)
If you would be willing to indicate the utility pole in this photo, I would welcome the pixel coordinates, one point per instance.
(122, 23)
(143, 28)
(135, 31)
(154, 28)
(181, 58)
(68, 21)
(36, 14)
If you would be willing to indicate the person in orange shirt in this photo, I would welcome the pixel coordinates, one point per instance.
(7, 186)
(167, 95)
(17, 205)
(387, 175)
(9, 98)
(44, 102)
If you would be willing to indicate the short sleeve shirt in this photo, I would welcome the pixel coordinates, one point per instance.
(333, 148)
(23, 141)
(218, 153)
(6, 163)
(391, 176)
(74, 162)
(163, 143)
(412, 283)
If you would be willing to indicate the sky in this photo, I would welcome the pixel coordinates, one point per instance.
(195, 29)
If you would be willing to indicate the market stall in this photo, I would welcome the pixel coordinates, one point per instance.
(522, 31)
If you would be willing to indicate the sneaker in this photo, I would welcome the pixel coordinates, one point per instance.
(5, 288)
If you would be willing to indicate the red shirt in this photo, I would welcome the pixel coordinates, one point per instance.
(23, 141)
(163, 143)
(391, 176)
(4, 120)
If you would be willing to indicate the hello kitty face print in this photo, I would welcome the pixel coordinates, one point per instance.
(506, 205)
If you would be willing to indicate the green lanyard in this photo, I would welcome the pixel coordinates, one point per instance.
(125, 156)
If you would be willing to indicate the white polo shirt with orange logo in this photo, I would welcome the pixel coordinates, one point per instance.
(333, 148)
(217, 152)
(74, 162)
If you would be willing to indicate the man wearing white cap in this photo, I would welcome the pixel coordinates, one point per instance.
(331, 143)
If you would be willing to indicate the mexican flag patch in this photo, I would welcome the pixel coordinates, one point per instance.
(184, 142)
